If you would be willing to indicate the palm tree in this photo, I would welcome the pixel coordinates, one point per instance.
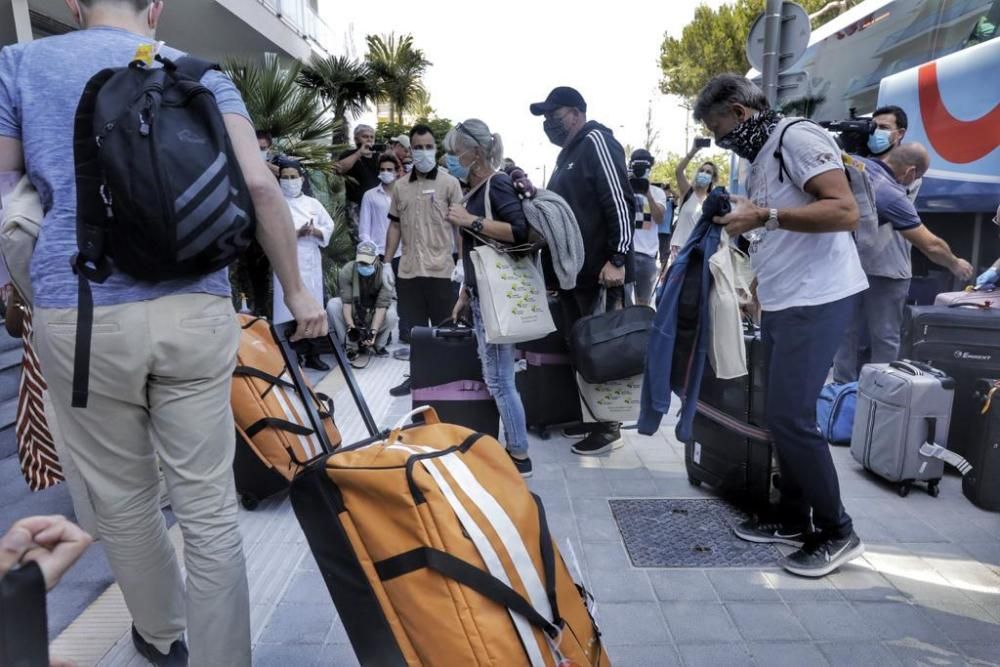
(346, 85)
(296, 117)
(421, 105)
(400, 69)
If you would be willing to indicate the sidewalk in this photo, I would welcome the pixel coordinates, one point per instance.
(926, 593)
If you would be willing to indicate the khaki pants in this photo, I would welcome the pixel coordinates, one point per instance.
(160, 374)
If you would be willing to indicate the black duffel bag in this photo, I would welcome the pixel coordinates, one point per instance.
(610, 345)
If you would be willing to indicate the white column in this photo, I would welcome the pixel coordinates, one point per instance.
(22, 21)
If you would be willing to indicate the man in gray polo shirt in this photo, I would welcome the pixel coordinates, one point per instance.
(881, 305)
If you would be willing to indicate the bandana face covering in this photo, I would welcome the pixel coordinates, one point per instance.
(749, 136)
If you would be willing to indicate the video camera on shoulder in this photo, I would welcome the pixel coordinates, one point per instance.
(853, 133)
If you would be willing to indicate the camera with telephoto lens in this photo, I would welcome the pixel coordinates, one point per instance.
(359, 336)
(639, 176)
(853, 133)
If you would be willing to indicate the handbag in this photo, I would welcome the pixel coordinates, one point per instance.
(610, 345)
(512, 296)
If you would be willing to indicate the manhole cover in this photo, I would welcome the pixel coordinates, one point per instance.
(664, 532)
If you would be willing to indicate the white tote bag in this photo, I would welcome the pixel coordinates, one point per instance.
(614, 401)
(512, 294)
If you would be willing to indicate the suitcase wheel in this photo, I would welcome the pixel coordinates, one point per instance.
(250, 501)
(544, 434)
(904, 490)
(694, 482)
(933, 489)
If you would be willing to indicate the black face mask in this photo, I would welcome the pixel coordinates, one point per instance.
(555, 130)
(750, 135)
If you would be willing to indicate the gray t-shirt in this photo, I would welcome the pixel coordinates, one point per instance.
(40, 87)
(895, 208)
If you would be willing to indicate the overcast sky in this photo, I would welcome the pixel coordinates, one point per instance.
(491, 60)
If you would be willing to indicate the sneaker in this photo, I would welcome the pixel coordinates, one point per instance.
(578, 431)
(402, 354)
(352, 354)
(763, 532)
(317, 364)
(599, 441)
(178, 656)
(381, 352)
(823, 557)
(401, 389)
(523, 465)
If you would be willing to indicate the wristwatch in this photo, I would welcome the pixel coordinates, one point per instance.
(617, 260)
(477, 225)
(772, 220)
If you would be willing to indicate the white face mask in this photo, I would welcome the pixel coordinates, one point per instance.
(386, 177)
(265, 153)
(292, 187)
(408, 167)
(424, 159)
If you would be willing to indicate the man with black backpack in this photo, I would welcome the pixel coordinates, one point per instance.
(798, 220)
(151, 179)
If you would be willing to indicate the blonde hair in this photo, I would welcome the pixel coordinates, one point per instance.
(474, 134)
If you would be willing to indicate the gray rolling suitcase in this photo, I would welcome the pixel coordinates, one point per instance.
(901, 423)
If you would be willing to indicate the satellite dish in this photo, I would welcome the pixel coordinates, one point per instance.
(795, 32)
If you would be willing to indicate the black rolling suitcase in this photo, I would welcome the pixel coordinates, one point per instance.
(981, 484)
(732, 451)
(547, 384)
(446, 374)
(965, 344)
(257, 479)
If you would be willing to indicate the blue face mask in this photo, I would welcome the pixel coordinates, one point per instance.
(455, 167)
(879, 141)
(366, 270)
(702, 180)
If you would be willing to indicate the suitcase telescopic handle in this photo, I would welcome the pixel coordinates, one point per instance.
(910, 367)
(282, 333)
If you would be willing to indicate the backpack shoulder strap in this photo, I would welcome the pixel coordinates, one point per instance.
(782, 170)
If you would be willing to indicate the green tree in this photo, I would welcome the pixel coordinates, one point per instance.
(400, 68)
(714, 42)
(440, 127)
(346, 85)
(421, 106)
(296, 117)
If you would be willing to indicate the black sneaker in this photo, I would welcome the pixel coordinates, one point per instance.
(178, 656)
(352, 354)
(523, 465)
(599, 441)
(581, 430)
(763, 532)
(314, 362)
(381, 352)
(823, 557)
(402, 354)
(401, 389)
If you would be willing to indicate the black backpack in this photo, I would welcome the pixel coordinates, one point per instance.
(160, 195)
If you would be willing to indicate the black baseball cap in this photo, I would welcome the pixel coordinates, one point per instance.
(563, 96)
(642, 154)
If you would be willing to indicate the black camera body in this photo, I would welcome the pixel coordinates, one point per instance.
(359, 336)
(852, 134)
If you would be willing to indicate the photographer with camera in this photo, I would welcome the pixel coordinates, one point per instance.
(694, 194)
(363, 315)
(359, 167)
(651, 204)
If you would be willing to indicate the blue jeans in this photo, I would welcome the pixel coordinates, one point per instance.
(799, 344)
(498, 373)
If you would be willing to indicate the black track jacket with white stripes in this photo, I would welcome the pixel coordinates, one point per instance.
(590, 175)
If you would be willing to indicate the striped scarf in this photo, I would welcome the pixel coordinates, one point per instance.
(35, 449)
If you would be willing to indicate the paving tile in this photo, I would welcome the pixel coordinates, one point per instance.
(626, 474)
(786, 654)
(606, 556)
(339, 655)
(765, 621)
(963, 622)
(859, 654)
(587, 470)
(295, 623)
(856, 582)
(912, 530)
(831, 621)
(742, 585)
(926, 585)
(682, 586)
(663, 655)
(634, 488)
(715, 655)
(282, 655)
(632, 623)
(691, 622)
(938, 653)
(307, 587)
(798, 589)
(620, 586)
(598, 530)
(897, 620)
(591, 508)
(981, 653)
(987, 553)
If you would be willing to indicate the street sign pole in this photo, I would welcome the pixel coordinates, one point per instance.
(772, 50)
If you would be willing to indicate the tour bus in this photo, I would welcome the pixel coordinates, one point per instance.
(938, 60)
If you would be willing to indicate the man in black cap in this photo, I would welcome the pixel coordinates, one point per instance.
(590, 176)
(650, 207)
